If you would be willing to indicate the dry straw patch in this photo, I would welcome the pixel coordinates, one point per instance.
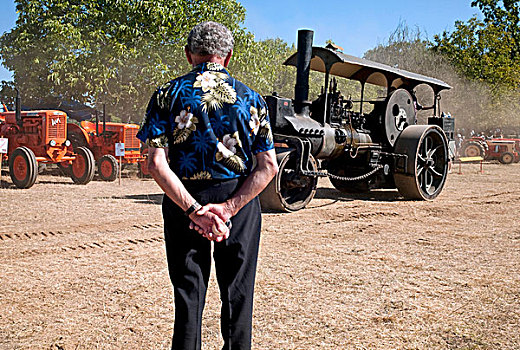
(83, 267)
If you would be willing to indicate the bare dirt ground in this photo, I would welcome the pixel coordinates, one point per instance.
(83, 267)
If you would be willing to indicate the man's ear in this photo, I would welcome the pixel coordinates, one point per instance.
(228, 58)
(188, 54)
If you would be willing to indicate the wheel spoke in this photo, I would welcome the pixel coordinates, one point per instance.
(427, 143)
(435, 172)
(428, 181)
(432, 152)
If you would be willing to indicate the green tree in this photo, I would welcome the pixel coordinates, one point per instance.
(469, 100)
(503, 14)
(105, 51)
(488, 49)
(260, 65)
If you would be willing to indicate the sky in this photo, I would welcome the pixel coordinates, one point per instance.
(357, 26)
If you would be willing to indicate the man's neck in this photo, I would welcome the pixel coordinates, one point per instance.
(196, 59)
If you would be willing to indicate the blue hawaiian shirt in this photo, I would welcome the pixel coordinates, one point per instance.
(211, 123)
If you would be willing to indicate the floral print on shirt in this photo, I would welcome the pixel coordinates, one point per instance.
(211, 123)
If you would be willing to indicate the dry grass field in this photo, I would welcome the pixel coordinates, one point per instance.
(83, 267)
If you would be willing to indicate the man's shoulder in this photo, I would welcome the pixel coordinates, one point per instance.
(172, 84)
(243, 89)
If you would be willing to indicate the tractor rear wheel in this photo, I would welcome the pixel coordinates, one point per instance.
(108, 168)
(77, 139)
(426, 165)
(23, 167)
(474, 149)
(289, 190)
(506, 158)
(83, 167)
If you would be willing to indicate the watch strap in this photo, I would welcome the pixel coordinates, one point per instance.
(194, 207)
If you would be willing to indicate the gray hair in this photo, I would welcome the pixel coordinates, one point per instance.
(210, 38)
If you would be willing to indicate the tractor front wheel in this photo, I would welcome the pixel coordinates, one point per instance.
(108, 168)
(83, 167)
(23, 167)
(506, 158)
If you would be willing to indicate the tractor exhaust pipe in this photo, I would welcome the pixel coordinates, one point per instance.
(301, 90)
(97, 123)
(104, 120)
(18, 108)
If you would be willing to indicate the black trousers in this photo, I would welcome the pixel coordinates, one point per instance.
(189, 264)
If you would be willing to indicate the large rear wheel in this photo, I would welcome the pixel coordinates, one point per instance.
(426, 163)
(83, 167)
(289, 190)
(108, 168)
(23, 167)
(474, 149)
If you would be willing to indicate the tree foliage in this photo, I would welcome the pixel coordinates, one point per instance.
(260, 65)
(470, 101)
(487, 50)
(116, 52)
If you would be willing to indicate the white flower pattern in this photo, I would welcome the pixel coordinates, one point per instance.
(230, 142)
(254, 122)
(225, 152)
(206, 81)
(184, 119)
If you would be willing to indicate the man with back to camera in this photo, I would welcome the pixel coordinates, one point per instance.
(210, 126)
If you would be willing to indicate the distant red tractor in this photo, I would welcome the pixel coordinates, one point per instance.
(101, 139)
(40, 136)
(506, 151)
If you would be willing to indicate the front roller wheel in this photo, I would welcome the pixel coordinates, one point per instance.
(108, 168)
(426, 150)
(289, 190)
(83, 167)
(23, 167)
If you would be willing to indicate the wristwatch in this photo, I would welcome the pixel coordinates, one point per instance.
(194, 207)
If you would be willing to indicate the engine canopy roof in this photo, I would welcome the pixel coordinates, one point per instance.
(365, 71)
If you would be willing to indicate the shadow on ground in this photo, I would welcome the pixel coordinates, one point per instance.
(155, 198)
(377, 196)
(321, 193)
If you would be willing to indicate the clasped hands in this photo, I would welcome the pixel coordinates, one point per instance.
(210, 221)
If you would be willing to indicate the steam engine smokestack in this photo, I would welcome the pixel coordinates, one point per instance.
(301, 92)
(18, 108)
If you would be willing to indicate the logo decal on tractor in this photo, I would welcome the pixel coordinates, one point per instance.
(55, 121)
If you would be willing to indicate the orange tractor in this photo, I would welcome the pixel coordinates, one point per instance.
(101, 139)
(506, 151)
(40, 136)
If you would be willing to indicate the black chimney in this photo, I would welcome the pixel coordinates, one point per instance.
(301, 92)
